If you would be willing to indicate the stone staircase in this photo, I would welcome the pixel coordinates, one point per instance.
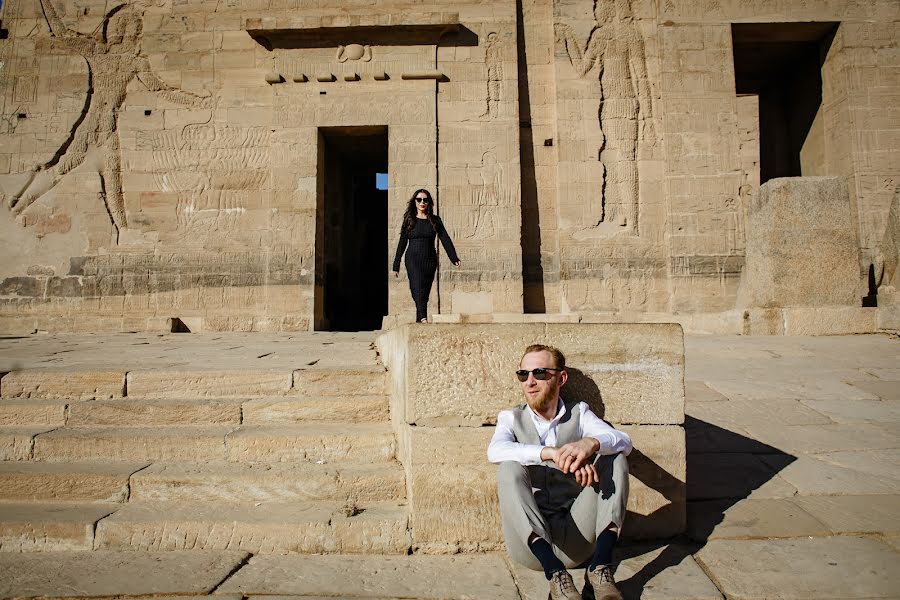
(299, 461)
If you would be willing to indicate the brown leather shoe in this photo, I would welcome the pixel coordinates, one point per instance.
(600, 585)
(562, 587)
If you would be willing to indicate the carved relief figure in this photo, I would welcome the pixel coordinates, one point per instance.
(354, 52)
(113, 60)
(615, 51)
(494, 63)
(487, 198)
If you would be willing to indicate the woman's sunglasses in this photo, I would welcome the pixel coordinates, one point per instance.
(423, 200)
(540, 374)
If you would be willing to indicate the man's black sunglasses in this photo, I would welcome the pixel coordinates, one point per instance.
(540, 373)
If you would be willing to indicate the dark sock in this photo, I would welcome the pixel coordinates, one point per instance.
(604, 549)
(544, 553)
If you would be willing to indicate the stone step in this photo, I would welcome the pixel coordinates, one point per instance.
(24, 412)
(234, 383)
(17, 443)
(308, 527)
(326, 442)
(237, 482)
(98, 574)
(130, 413)
(350, 381)
(22, 481)
(52, 384)
(350, 409)
(39, 527)
(191, 443)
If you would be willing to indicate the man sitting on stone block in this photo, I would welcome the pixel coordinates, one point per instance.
(562, 481)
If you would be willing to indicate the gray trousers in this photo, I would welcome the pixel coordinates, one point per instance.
(542, 500)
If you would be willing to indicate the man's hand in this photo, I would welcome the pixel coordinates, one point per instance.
(573, 456)
(587, 475)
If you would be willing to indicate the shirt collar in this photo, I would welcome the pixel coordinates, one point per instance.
(560, 412)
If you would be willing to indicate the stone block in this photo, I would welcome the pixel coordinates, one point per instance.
(365, 443)
(485, 577)
(102, 573)
(76, 385)
(50, 527)
(463, 374)
(155, 412)
(308, 527)
(65, 482)
(829, 320)
(314, 382)
(830, 567)
(132, 444)
(802, 246)
(236, 383)
(28, 412)
(252, 482)
(17, 443)
(353, 409)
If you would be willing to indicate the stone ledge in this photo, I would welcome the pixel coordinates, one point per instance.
(463, 374)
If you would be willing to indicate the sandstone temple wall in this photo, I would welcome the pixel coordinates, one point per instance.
(164, 158)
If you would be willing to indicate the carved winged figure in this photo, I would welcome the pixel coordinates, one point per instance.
(113, 61)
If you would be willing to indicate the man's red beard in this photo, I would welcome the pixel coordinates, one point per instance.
(543, 400)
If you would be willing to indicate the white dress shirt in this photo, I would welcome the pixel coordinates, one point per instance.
(504, 445)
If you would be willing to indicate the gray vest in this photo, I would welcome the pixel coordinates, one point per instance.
(553, 491)
(566, 429)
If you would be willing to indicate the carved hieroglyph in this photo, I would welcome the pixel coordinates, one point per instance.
(615, 52)
(113, 61)
(494, 64)
(212, 167)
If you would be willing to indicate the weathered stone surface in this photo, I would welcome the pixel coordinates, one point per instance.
(238, 383)
(236, 482)
(354, 409)
(812, 476)
(132, 444)
(426, 577)
(752, 519)
(17, 443)
(802, 247)
(833, 567)
(64, 482)
(827, 320)
(39, 527)
(326, 442)
(800, 439)
(855, 514)
(308, 527)
(76, 385)
(28, 412)
(314, 382)
(155, 412)
(101, 573)
(630, 373)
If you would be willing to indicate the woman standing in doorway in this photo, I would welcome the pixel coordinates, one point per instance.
(420, 227)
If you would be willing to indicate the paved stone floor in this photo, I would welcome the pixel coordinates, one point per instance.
(793, 484)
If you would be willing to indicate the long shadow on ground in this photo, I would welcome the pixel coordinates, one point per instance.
(723, 468)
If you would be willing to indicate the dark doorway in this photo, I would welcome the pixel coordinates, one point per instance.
(351, 229)
(782, 64)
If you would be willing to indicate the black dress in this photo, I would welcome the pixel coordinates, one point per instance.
(421, 259)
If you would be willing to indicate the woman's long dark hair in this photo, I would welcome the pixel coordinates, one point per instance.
(409, 217)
